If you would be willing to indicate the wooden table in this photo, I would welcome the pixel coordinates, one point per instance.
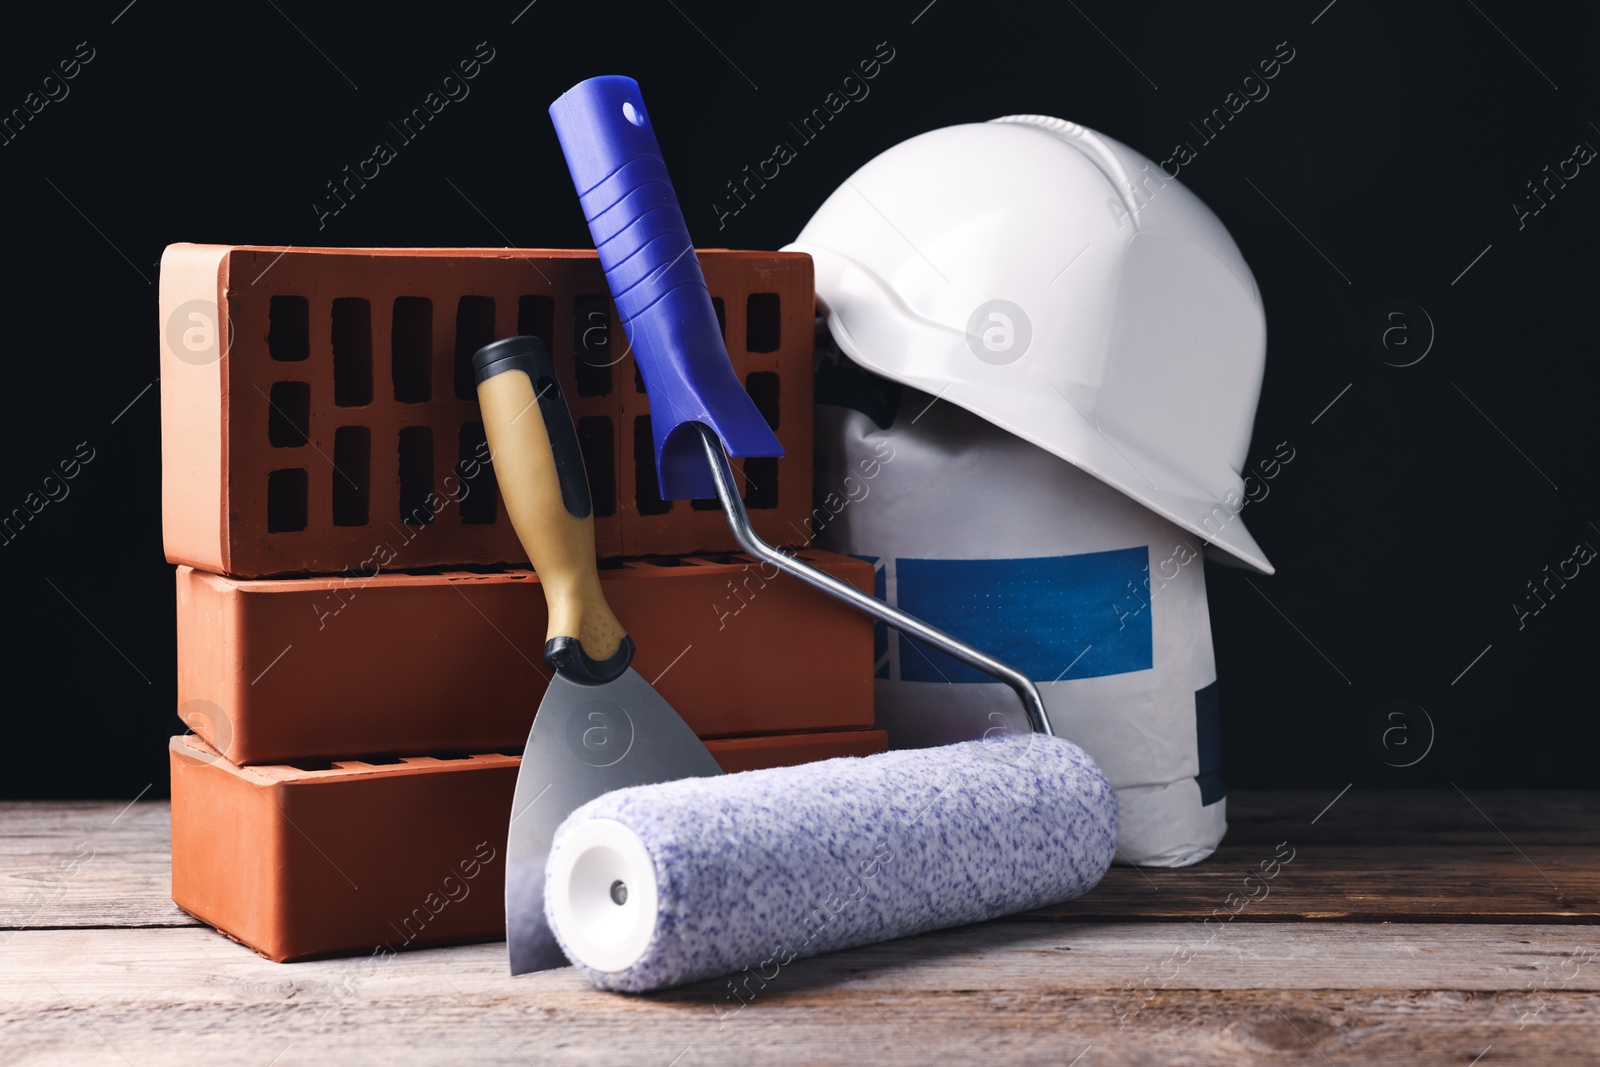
(1383, 928)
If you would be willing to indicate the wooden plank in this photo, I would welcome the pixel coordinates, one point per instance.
(1370, 856)
(90, 864)
(1000, 992)
(1357, 883)
(1226, 1029)
(153, 965)
(87, 863)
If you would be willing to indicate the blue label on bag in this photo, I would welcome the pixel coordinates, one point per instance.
(1052, 617)
(880, 632)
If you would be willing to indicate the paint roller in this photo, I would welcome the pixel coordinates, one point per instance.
(658, 884)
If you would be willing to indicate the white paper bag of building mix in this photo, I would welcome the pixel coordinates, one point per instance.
(1099, 600)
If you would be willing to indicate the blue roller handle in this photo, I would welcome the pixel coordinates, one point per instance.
(656, 283)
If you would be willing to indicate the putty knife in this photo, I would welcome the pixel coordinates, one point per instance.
(601, 726)
(698, 410)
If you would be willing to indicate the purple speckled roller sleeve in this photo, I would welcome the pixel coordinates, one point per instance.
(760, 868)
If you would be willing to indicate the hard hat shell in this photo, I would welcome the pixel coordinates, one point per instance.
(1062, 286)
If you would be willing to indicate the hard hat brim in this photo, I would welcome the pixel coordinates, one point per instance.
(1043, 412)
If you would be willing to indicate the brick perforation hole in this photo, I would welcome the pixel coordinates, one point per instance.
(287, 490)
(598, 442)
(352, 475)
(352, 352)
(416, 475)
(289, 414)
(479, 494)
(646, 484)
(474, 329)
(289, 329)
(410, 349)
(592, 345)
(763, 318)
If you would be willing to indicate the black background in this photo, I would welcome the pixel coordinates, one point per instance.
(1392, 149)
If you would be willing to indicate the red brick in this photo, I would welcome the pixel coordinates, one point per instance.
(362, 858)
(755, 753)
(281, 669)
(250, 439)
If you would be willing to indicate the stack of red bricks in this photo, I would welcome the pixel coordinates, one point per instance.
(359, 633)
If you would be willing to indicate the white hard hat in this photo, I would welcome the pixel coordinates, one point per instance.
(1062, 286)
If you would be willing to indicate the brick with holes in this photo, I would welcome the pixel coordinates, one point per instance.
(289, 668)
(329, 416)
(373, 856)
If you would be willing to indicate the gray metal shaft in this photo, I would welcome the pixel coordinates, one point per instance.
(739, 520)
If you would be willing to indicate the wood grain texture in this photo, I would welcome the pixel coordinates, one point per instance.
(1427, 856)
(1461, 929)
(87, 863)
(1016, 992)
(1422, 856)
(1358, 883)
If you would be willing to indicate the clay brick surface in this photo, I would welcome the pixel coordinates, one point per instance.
(755, 753)
(281, 669)
(368, 858)
(332, 409)
(300, 863)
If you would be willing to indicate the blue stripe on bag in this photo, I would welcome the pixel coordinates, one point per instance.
(880, 632)
(1036, 614)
